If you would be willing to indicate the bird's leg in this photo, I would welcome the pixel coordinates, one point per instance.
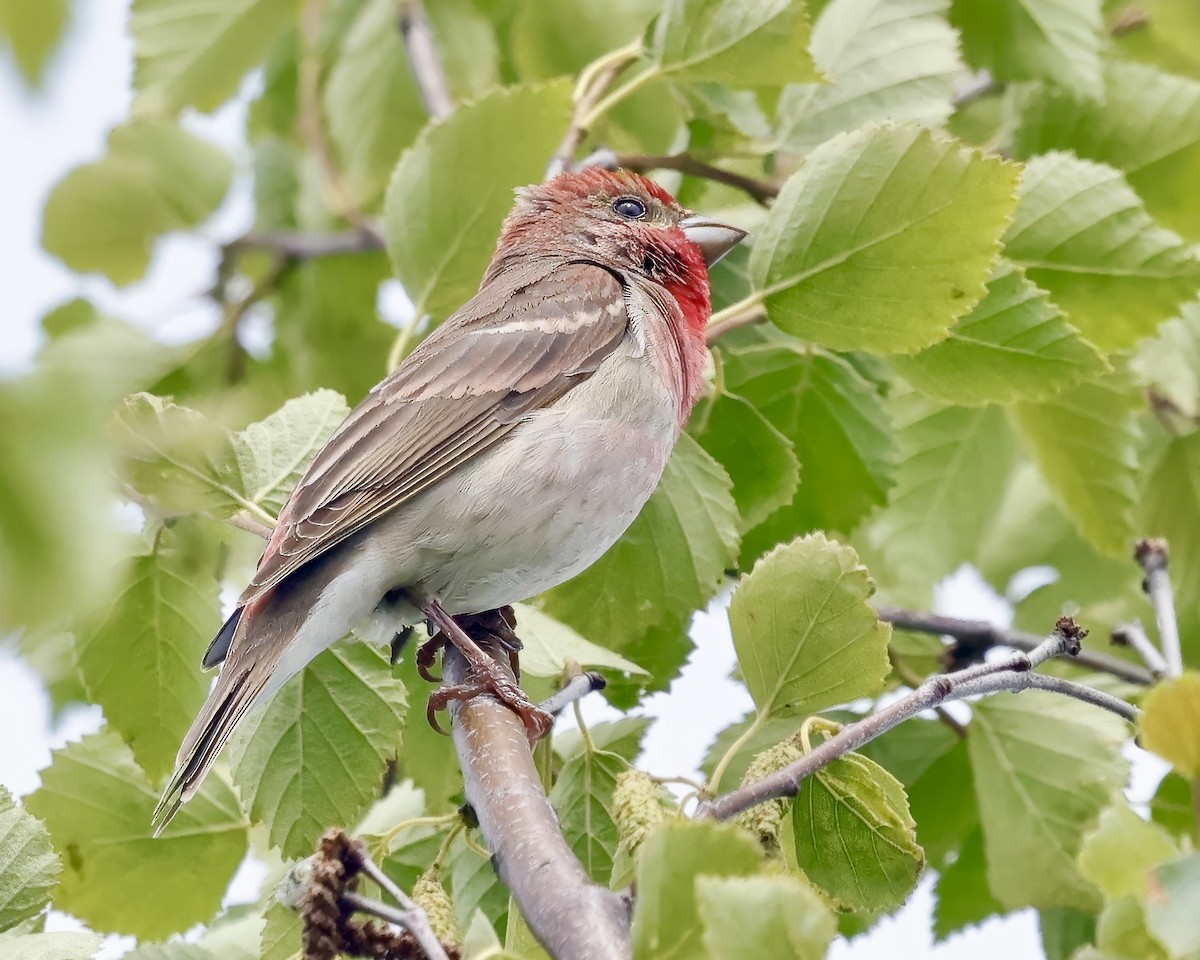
(427, 654)
(490, 676)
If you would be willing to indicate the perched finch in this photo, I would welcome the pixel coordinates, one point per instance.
(505, 455)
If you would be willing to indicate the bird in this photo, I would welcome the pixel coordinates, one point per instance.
(501, 457)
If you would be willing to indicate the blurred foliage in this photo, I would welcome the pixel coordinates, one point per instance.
(967, 332)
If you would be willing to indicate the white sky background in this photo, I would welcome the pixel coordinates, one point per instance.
(46, 134)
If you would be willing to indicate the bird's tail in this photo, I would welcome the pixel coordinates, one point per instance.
(243, 680)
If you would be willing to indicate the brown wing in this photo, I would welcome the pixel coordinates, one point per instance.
(519, 344)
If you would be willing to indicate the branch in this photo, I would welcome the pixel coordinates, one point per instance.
(741, 314)
(594, 81)
(1152, 555)
(975, 637)
(423, 58)
(573, 918)
(761, 190)
(307, 246)
(1134, 635)
(1014, 674)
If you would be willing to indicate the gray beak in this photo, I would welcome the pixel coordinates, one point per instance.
(715, 239)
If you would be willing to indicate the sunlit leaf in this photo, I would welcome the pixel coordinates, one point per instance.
(29, 867)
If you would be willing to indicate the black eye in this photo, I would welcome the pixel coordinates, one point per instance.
(630, 208)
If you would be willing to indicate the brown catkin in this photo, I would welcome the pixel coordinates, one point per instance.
(765, 819)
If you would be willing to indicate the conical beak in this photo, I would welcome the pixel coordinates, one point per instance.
(715, 239)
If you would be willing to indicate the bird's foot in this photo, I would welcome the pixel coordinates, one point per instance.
(427, 656)
(486, 675)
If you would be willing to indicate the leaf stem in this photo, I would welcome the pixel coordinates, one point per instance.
(1153, 556)
(714, 782)
(741, 314)
(623, 92)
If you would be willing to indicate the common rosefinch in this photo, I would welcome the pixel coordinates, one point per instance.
(506, 454)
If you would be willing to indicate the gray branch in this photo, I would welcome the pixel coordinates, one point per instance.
(1152, 555)
(1013, 674)
(1133, 635)
(975, 637)
(572, 917)
(424, 59)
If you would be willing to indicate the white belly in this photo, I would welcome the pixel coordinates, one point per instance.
(539, 507)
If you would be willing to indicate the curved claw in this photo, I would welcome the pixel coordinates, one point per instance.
(432, 708)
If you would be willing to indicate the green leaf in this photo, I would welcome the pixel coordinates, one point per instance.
(33, 31)
(622, 737)
(1171, 806)
(1170, 39)
(582, 796)
(170, 951)
(942, 801)
(759, 459)
(951, 478)
(554, 38)
(667, 921)
(1015, 345)
(1170, 722)
(1084, 442)
(963, 897)
(141, 660)
(328, 332)
(745, 43)
(97, 803)
(1120, 853)
(371, 100)
(29, 867)
(1170, 507)
(669, 563)
(1121, 931)
(58, 544)
(835, 419)
(274, 453)
(343, 712)
(105, 216)
(1082, 234)
(281, 936)
(1147, 125)
(550, 645)
(427, 757)
(888, 60)
(50, 946)
(176, 460)
(1065, 931)
(855, 838)
(448, 198)
(1172, 909)
(805, 636)
(1170, 363)
(836, 264)
(1045, 767)
(768, 918)
(196, 54)
(1033, 40)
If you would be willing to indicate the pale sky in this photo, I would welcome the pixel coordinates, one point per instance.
(48, 133)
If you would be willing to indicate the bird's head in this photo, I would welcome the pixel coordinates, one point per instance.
(628, 223)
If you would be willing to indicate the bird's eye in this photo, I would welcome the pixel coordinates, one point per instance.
(630, 208)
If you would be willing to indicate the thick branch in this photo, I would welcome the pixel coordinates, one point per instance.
(573, 918)
(761, 190)
(1015, 673)
(1152, 555)
(423, 58)
(975, 637)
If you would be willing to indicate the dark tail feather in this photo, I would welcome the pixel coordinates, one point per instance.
(218, 650)
(237, 690)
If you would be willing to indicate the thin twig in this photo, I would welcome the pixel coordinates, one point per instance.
(975, 637)
(574, 918)
(1134, 635)
(307, 246)
(576, 688)
(593, 83)
(1153, 556)
(423, 58)
(741, 314)
(979, 85)
(933, 692)
(762, 191)
(911, 678)
(244, 521)
(308, 96)
(413, 919)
